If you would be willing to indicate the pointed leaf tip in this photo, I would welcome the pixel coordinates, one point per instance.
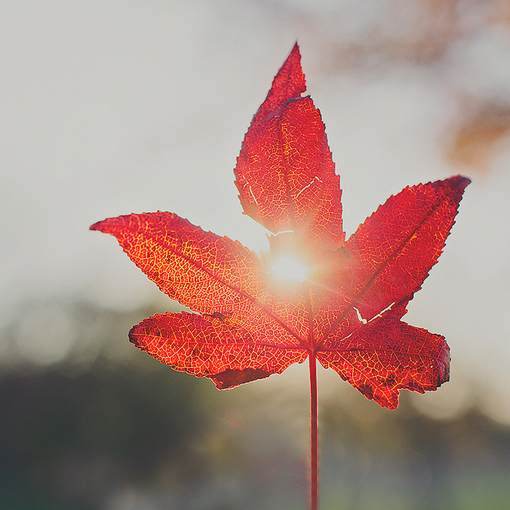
(459, 183)
(455, 186)
(295, 49)
(289, 82)
(106, 226)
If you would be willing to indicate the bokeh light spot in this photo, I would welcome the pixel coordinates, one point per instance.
(45, 335)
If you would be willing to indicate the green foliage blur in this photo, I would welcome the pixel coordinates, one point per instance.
(110, 428)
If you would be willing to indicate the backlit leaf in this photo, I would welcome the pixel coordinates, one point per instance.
(344, 308)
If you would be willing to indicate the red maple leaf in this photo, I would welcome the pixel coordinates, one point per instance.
(345, 312)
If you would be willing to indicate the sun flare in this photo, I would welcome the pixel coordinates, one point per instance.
(289, 268)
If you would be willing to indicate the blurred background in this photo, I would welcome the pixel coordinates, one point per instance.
(111, 107)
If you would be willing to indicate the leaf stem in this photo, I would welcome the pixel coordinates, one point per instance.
(313, 432)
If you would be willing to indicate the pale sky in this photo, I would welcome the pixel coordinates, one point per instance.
(115, 107)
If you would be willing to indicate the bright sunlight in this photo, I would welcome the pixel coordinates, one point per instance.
(289, 268)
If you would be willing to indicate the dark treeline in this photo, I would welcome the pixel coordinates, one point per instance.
(122, 431)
